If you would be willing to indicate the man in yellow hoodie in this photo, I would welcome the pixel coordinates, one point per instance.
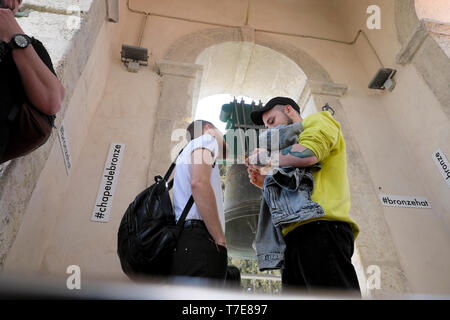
(318, 251)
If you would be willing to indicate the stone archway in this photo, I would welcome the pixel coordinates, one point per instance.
(181, 80)
(187, 48)
(180, 88)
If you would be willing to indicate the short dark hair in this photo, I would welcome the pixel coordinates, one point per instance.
(193, 132)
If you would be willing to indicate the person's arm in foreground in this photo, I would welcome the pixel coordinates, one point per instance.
(42, 87)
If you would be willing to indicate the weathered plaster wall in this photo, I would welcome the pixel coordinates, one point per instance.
(406, 127)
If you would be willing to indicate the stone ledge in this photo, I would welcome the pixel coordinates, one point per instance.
(57, 6)
(321, 88)
(412, 44)
(327, 88)
(437, 27)
(51, 29)
(439, 31)
(175, 68)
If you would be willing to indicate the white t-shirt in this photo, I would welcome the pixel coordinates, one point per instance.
(182, 179)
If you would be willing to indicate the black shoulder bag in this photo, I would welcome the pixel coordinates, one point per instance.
(148, 232)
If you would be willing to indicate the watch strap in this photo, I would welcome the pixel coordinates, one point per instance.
(13, 45)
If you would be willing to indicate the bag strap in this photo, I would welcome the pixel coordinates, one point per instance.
(185, 212)
(172, 166)
(170, 183)
(188, 206)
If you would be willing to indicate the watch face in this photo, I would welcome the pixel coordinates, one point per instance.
(21, 41)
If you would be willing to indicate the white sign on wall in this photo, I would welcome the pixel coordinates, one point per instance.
(105, 195)
(404, 201)
(64, 142)
(443, 165)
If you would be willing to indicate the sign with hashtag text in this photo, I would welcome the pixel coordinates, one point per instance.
(404, 201)
(105, 195)
(64, 142)
(443, 165)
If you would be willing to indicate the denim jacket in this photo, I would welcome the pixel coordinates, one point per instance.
(288, 195)
(269, 242)
(286, 199)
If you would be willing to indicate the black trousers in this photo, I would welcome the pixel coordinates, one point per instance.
(197, 255)
(318, 256)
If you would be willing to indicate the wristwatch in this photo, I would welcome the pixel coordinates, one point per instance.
(19, 41)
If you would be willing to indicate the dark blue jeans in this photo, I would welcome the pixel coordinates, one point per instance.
(318, 256)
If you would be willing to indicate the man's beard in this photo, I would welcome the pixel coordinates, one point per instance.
(288, 120)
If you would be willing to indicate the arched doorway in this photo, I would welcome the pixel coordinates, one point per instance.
(251, 70)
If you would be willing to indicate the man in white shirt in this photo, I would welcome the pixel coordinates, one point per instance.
(201, 250)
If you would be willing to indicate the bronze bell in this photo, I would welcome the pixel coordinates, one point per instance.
(241, 199)
(241, 205)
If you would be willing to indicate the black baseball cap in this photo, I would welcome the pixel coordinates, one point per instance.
(284, 101)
